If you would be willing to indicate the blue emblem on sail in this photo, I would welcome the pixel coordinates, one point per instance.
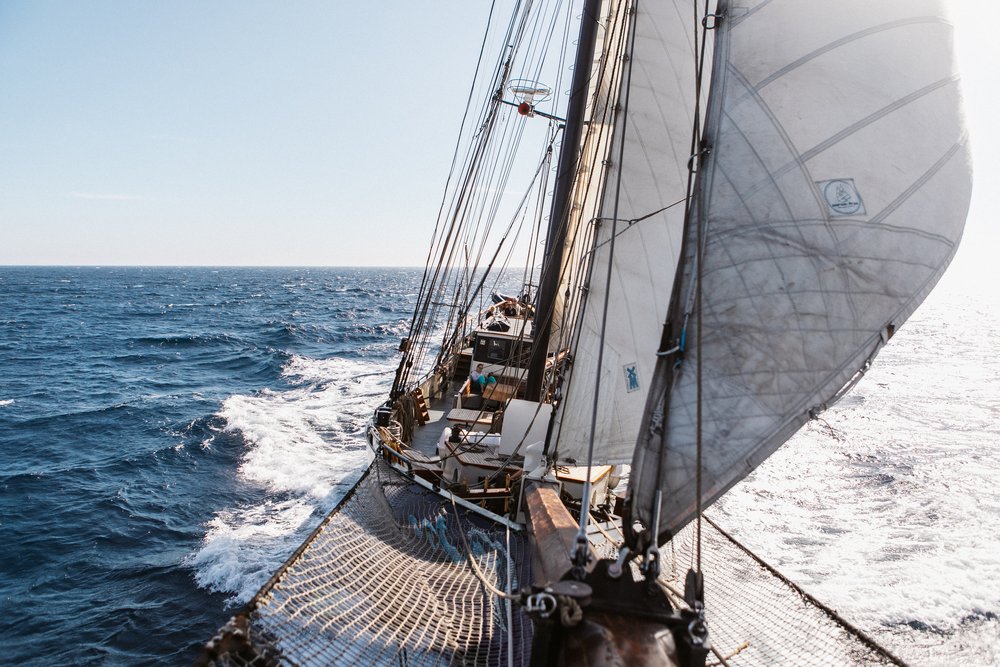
(631, 377)
(842, 196)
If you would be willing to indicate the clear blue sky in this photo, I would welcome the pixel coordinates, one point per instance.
(267, 133)
(315, 133)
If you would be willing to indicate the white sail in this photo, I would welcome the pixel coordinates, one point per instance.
(645, 183)
(834, 196)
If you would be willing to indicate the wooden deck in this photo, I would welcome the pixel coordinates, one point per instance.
(470, 417)
(425, 438)
(443, 414)
(604, 536)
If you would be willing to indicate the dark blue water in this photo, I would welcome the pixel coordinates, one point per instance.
(168, 437)
(114, 455)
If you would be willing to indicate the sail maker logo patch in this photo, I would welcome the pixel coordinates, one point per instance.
(842, 196)
(631, 377)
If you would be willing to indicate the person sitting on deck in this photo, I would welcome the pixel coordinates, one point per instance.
(477, 380)
(510, 307)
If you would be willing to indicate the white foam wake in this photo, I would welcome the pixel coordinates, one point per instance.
(304, 446)
(887, 509)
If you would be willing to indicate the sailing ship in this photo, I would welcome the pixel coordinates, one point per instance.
(750, 197)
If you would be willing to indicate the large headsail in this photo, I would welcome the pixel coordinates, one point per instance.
(834, 196)
(648, 72)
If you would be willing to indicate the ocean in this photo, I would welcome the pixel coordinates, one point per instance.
(168, 436)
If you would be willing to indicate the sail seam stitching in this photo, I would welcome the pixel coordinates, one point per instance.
(843, 41)
(919, 183)
(878, 115)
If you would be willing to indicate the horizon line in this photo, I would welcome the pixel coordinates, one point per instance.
(219, 266)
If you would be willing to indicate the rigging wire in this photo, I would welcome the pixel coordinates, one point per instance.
(546, 317)
(580, 556)
(471, 199)
(428, 286)
(539, 174)
(463, 208)
(537, 46)
(683, 306)
(455, 226)
(458, 143)
(442, 242)
(699, 268)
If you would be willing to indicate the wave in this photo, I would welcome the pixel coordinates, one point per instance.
(350, 330)
(303, 450)
(68, 419)
(305, 370)
(242, 546)
(185, 341)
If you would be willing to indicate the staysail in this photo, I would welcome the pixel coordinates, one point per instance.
(641, 203)
(832, 199)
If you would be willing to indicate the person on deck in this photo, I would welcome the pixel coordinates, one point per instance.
(477, 380)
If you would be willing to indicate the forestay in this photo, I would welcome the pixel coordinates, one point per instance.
(833, 198)
(642, 204)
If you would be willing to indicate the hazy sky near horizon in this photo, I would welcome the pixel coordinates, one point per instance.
(241, 132)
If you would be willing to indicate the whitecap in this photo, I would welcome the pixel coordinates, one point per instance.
(243, 546)
(304, 447)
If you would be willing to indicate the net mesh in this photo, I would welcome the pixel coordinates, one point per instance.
(385, 580)
(755, 616)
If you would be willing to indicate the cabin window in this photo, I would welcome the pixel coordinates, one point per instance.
(493, 350)
(504, 351)
(499, 350)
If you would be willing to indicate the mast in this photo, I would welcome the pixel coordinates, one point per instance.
(556, 237)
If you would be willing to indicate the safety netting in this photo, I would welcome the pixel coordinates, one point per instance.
(385, 580)
(757, 617)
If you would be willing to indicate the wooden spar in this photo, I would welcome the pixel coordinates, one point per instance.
(553, 532)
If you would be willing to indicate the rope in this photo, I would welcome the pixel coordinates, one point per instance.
(634, 221)
(405, 412)
(722, 660)
(699, 268)
(680, 307)
(475, 566)
(616, 543)
(570, 613)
